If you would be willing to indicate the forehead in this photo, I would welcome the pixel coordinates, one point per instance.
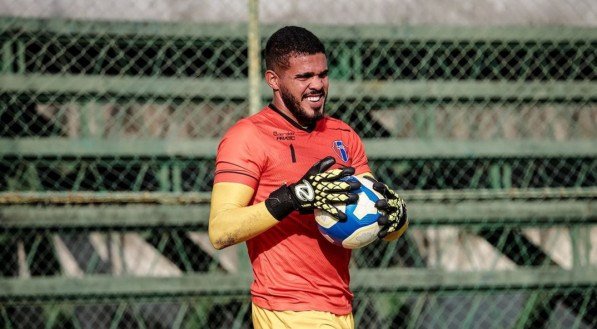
(315, 63)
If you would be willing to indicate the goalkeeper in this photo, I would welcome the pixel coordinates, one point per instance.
(272, 170)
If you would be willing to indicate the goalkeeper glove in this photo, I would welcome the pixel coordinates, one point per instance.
(318, 188)
(392, 207)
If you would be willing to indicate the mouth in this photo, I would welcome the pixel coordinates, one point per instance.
(315, 100)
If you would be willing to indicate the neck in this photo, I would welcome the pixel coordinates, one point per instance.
(291, 118)
(279, 105)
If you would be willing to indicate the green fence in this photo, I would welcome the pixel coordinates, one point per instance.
(108, 134)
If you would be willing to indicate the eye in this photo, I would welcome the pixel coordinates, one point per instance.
(304, 77)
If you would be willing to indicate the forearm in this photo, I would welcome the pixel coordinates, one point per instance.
(233, 224)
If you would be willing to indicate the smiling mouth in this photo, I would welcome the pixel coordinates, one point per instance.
(314, 98)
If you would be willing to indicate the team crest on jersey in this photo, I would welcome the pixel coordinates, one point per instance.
(341, 150)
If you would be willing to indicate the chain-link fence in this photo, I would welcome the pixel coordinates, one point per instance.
(482, 113)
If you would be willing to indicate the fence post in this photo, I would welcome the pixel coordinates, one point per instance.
(254, 58)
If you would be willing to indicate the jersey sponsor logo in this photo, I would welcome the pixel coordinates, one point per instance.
(284, 136)
(304, 191)
(341, 150)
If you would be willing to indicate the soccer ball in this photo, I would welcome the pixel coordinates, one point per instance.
(360, 227)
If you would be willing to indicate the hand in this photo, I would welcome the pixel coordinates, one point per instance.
(318, 188)
(392, 207)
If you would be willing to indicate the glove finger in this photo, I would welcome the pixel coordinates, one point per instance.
(381, 188)
(335, 212)
(326, 163)
(371, 179)
(341, 216)
(352, 198)
(337, 186)
(382, 233)
(330, 175)
(321, 166)
(335, 174)
(383, 221)
(354, 185)
(345, 198)
(347, 171)
(382, 204)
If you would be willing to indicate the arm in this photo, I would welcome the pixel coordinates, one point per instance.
(395, 221)
(231, 220)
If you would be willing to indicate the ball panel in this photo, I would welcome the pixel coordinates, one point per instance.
(330, 239)
(336, 231)
(361, 237)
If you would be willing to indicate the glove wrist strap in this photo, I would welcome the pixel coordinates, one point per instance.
(280, 203)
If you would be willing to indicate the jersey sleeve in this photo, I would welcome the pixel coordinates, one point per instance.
(239, 159)
(357, 149)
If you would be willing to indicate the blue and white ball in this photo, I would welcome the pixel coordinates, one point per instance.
(360, 228)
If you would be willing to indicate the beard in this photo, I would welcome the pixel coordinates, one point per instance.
(303, 117)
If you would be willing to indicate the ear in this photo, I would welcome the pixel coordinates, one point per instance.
(272, 79)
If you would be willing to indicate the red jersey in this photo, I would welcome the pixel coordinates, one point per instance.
(294, 267)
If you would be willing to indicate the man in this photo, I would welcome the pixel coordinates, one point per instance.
(272, 170)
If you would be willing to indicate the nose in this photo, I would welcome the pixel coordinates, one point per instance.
(317, 83)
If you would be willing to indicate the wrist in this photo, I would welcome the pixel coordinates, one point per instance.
(280, 203)
(398, 233)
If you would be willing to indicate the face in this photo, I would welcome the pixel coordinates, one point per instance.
(303, 87)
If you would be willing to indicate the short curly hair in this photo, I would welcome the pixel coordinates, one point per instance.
(290, 41)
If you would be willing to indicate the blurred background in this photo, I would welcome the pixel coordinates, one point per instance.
(483, 114)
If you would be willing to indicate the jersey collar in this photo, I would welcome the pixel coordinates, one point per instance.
(308, 129)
